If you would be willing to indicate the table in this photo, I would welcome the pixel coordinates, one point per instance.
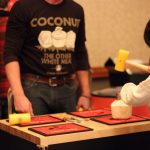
(124, 136)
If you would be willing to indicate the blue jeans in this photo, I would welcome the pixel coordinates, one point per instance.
(46, 99)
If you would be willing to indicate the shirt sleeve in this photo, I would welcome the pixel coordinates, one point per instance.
(81, 60)
(136, 94)
(15, 33)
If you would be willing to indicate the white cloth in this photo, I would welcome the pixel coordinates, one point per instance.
(136, 94)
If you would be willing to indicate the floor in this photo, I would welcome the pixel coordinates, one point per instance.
(98, 84)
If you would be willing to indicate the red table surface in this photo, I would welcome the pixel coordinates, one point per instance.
(92, 113)
(110, 121)
(105, 102)
(36, 120)
(59, 129)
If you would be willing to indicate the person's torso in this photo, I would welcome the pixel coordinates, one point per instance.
(51, 37)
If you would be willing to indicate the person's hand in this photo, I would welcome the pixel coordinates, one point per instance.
(22, 104)
(84, 103)
(126, 92)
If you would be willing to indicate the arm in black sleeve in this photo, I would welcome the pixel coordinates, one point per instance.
(147, 34)
(81, 59)
(81, 55)
(15, 33)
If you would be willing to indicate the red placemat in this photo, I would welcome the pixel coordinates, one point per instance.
(91, 113)
(59, 129)
(110, 121)
(36, 120)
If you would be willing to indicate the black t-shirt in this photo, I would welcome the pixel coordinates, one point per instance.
(46, 39)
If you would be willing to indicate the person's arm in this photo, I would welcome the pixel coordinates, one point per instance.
(85, 95)
(21, 103)
(83, 77)
(15, 35)
(136, 94)
(82, 66)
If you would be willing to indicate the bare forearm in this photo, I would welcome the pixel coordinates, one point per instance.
(21, 102)
(83, 78)
(13, 75)
(84, 99)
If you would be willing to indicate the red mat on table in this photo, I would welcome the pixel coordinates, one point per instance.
(142, 111)
(36, 120)
(110, 121)
(92, 113)
(59, 129)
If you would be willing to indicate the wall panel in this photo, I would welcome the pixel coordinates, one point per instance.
(115, 24)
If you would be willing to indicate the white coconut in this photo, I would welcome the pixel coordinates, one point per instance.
(45, 39)
(120, 110)
(59, 37)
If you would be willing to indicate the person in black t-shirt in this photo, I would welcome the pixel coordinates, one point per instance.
(45, 55)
